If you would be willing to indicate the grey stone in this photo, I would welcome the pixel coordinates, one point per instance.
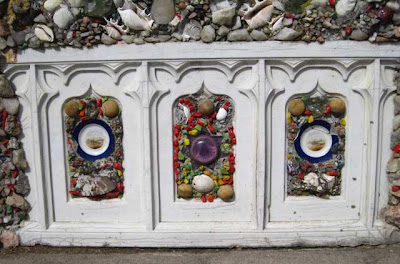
(358, 35)
(152, 40)
(5, 87)
(164, 38)
(223, 31)
(105, 39)
(94, 186)
(22, 184)
(18, 201)
(396, 122)
(139, 41)
(396, 18)
(238, 23)
(145, 33)
(12, 126)
(258, 35)
(208, 34)
(397, 104)
(293, 6)
(34, 43)
(18, 159)
(99, 8)
(393, 166)
(128, 38)
(40, 19)
(10, 42)
(163, 11)
(224, 17)
(13, 143)
(19, 37)
(287, 34)
(3, 43)
(239, 35)
(192, 30)
(11, 105)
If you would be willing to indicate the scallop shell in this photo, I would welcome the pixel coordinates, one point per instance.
(343, 7)
(44, 33)
(63, 17)
(51, 5)
(133, 20)
(261, 18)
(203, 183)
(222, 114)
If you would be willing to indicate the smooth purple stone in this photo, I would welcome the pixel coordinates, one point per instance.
(204, 150)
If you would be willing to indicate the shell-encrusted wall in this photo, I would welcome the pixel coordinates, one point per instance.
(94, 134)
(61, 23)
(14, 184)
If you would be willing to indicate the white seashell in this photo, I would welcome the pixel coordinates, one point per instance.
(51, 5)
(222, 114)
(133, 20)
(186, 110)
(330, 180)
(203, 183)
(63, 17)
(249, 11)
(344, 7)
(277, 25)
(311, 179)
(261, 18)
(112, 32)
(44, 33)
(76, 3)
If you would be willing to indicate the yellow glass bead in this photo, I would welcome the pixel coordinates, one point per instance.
(289, 156)
(179, 182)
(193, 132)
(119, 173)
(201, 168)
(186, 181)
(215, 183)
(220, 182)
(226, 167)
(343, 121)
(226, 178)
(310, 119)
(186, 142)
(214, 177)
(207, 172)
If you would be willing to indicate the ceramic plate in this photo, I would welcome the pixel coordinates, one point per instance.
(95, 139)
(314, 141)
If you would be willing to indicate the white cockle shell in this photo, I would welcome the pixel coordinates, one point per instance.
(203, 183)
(63, 17)
(261, 18)
(133, 20)
(344, 7)
(44, 33)
(222, 114)
(51, 5)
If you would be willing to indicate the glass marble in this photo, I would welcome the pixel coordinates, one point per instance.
(204, 150)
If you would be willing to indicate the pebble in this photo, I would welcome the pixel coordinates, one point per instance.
(287, 34)
(105, 39)
(185, 190)
(206, 106)
(110, 109)
(258, 35)
(18, 159)
(72, 108)
(296, 107)
(239, 35)
(11, 105)
(393, 166)
(338, 106)
(223, 31)
(18, 201)
(128, 38)
(225, 192)
(9, 239)
(207, 34)
(5, 87)
(3, 43)
(163, 11)
(203, 183)
(224, 16)
(358, 35)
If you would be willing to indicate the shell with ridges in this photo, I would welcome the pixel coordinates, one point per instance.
(44, 33)
(261, 18)
(133, 20)
(63, 17)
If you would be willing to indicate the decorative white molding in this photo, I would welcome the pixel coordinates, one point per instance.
(260, 78)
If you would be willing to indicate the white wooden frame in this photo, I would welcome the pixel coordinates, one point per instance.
(261, 78)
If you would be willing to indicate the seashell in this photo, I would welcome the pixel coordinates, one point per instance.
(51, 5)
(222, 114)
(278, 24)
(112, 32)
(76, 3)
(261, 18)
(44, 33)
(248, 11)
(203, 183)
(63, 17)
(344, 7)
(135, 21)
(186, 110)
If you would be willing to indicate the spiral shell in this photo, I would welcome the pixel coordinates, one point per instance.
(112, 32)
(63, 17)
(133, 20)
(44, 33)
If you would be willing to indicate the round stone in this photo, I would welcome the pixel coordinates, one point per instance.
(206, 106)
(296, 107)
(225, 192)
(72, 108)
(338, 106)
(185, 190)
(204, 150)
(110, 109)
(203, 183)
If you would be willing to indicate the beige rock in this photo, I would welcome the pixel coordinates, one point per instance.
(225, 192)
(338, 106)
(110, 109)
(296, 107)
(9, 240)
(72, 108)
(18, 201)
(185, 190)
(206, 106)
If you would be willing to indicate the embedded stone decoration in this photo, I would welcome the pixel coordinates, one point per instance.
(62, 23)
(204, 141)
(94, 135)
(315, 148)
(14, 184)
(392, 212)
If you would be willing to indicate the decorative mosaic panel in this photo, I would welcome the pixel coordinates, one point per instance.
(316, 138)
(94, 135)
(204, 147)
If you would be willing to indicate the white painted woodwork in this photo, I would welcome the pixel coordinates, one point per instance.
(260, 78)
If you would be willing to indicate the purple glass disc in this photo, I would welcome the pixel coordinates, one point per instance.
(204, 150)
